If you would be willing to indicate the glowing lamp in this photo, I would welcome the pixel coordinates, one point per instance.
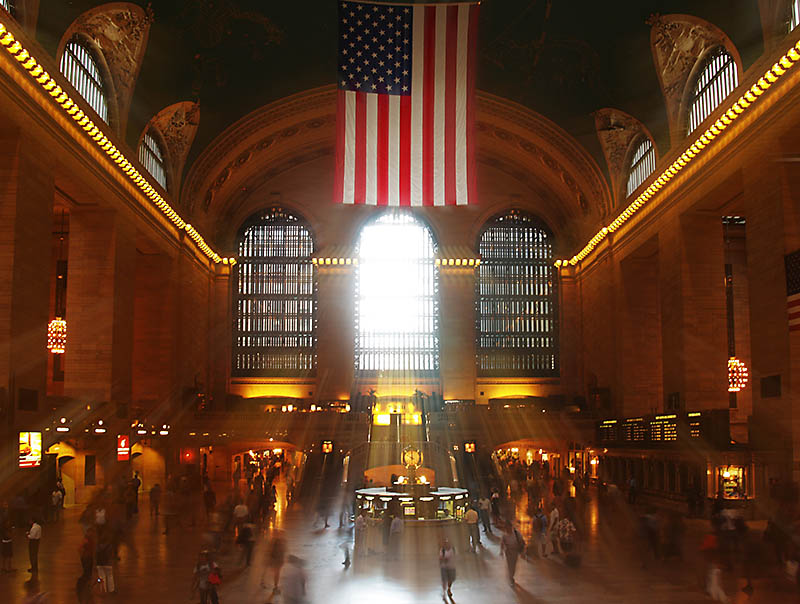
(737, 375)
(327, 447)
(57, 336)
(469, 447)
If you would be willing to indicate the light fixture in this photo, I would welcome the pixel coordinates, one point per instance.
(737, 375)
(57, 336)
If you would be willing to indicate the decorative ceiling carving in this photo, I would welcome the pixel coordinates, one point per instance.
(120, 30)
(268, 136)
(177, 125)
(616, 131)
(677, 42)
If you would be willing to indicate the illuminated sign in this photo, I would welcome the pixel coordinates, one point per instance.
(327, 446)
(469, 447)
(123, 447)
(30, 449)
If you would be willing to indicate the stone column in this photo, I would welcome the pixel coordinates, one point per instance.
(691, 267)
(220, 334)
(100, 306)
(26, 219)
(335, 331)
(457, 332)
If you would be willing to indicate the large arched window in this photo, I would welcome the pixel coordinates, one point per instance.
(8, 5)
(397, 297)
(718, 78)
(794, 20)
(275, 297)
(152, 158)
(517, 307)
(81, 69)
(643, 163)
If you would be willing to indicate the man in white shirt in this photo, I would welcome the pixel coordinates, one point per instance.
(34, 536)
(484, 505)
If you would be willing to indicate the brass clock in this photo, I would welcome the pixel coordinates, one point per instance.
(411, 457)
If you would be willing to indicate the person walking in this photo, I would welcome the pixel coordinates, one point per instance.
(484, 506)
(104, 561)
(34, 537)
(540, 531)
(471, 520)
(275, 559)
(447, 567)
(395, 536)
(512, 545)
(205, 579)
(6, 545)
(155, 499)
(293, 590)
(247, 539)
(360, 530)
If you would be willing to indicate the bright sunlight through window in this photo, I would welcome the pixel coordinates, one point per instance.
(396, 296)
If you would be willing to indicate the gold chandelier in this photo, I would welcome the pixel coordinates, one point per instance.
(57, 336)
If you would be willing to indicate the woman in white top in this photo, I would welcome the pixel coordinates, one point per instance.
(447, 565)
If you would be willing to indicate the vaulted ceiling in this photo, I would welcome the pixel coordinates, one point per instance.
(562, 59)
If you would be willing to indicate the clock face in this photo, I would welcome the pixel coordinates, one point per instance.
(412, 457)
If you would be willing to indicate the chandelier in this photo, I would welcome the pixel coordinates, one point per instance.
(737, 375)
(57, 336)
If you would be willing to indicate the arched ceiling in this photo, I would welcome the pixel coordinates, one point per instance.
(563, 60)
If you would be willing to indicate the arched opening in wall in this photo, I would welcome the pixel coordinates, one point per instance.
(151, 156)
(517, 301)
(716, 79)
(794, 19)
(10, 6)
(397, 300)
(275, 297)
(643, 162)
(81, 68)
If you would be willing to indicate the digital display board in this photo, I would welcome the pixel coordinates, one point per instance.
(30, 449)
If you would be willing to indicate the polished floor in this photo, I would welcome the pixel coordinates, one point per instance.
(616, 568)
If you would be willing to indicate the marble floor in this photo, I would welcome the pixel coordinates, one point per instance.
(615, 568)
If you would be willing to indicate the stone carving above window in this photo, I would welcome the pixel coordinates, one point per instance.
(177, 125)
(120, 31)
(678, 42)
(616, 131)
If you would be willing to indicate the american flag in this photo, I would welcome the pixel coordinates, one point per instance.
(406, 104)
(792, 265)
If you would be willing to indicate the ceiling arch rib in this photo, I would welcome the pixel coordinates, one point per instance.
(301, 128)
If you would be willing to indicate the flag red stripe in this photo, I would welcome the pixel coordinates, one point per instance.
(794, 314)
(450, 107)
(405, 151)
(360, 188)
(792, 303)
(338, 185)
(472, 42)
(429, 85)
(383, 150)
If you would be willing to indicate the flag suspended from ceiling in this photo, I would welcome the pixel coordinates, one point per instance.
(406, 103)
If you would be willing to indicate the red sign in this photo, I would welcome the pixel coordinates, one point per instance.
(123, 447)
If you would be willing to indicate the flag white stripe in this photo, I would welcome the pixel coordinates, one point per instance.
(371, 193)
(462, 197)
(394, 150)
(348, 194)
(440, 83)
(793, 298)
(417, 82)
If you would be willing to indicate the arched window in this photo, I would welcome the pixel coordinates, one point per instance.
(794, 21)
(642, 165)
(275, 297)
(516, 298)
(716, 81)
(80, 68)
(397, 305)
(8, 5)
(152, 159)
